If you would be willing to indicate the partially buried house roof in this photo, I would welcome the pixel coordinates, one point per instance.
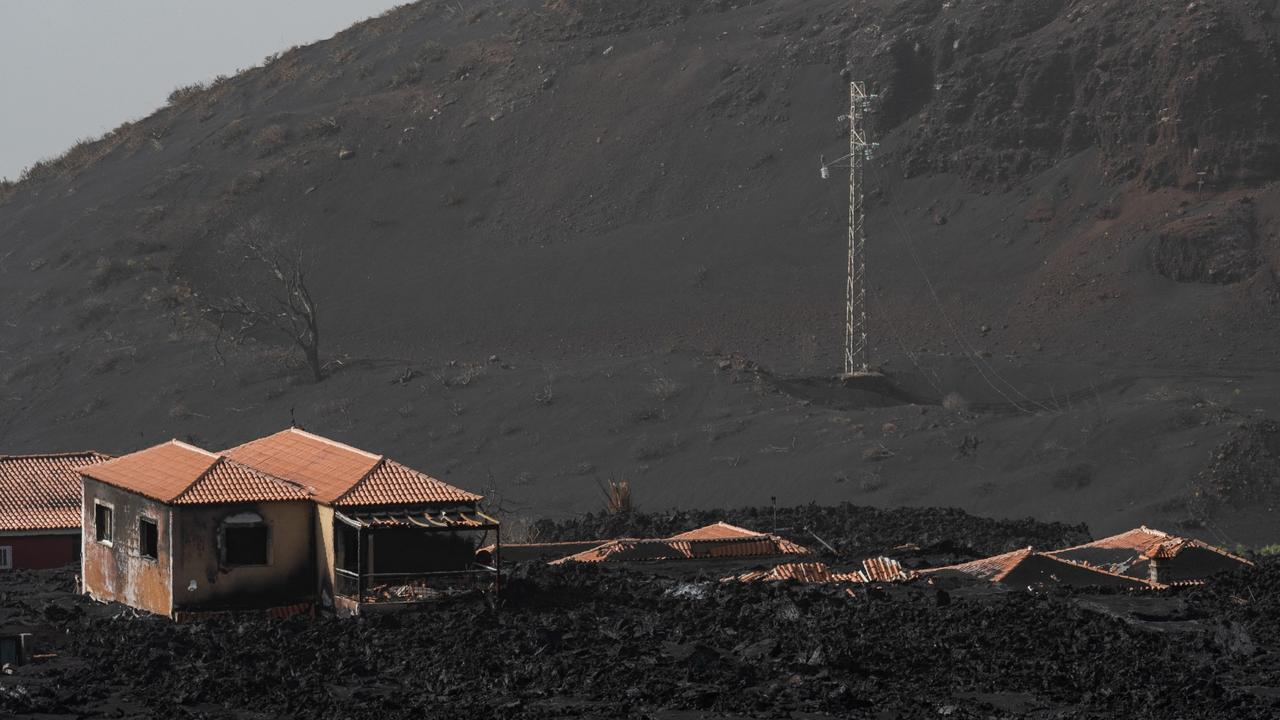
(181, 474)
(343, 475)
(1028, 567)
(637, 550)
(42, 492)
(1130, 552)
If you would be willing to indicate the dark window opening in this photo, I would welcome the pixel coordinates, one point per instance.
(148, 538)
(245, 544)
(6, 557)
(102, 523)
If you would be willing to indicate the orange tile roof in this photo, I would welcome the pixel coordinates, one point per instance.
(42, 492)
(230, 482)
(881, 569)
(716, 531)
(1132, 549)
(989, 568)
(634, 550)
(343, 475)
(1031, 567)
(178, 473)
(805, 572)
(390, 483)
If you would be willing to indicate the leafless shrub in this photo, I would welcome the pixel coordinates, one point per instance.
(955, 402)
(876, 453)
(234, 132)
(664, 388)
(184, 93)
(410, 74)
(432, 52)
(544, 395)
(108, 272)
(618, 497)
(271, 138)
(456, 408)
(321, 126)
(266, 286)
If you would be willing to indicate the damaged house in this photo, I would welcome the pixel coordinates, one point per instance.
(40, 509)
(286, 523)
(718, 544)
(1155, 556)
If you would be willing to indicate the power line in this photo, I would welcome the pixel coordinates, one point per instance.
(970, 353)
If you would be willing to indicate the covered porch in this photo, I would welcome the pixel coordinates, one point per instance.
(387, 558)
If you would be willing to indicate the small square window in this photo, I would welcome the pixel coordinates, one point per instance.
(102, 523)
(6, 557)
(148, 538)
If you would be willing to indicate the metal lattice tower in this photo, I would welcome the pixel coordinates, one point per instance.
(855, 342)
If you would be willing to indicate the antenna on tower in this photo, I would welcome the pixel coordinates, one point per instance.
(856, 347)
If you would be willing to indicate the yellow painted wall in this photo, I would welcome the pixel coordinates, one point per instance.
(201, 581)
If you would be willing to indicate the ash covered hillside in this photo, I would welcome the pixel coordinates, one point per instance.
(553, 243)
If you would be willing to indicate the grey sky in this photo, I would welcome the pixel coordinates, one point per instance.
(77, 68)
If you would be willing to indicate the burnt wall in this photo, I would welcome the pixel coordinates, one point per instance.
(115, 571)
(203, 582)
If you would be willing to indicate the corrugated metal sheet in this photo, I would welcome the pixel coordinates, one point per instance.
(42, 492)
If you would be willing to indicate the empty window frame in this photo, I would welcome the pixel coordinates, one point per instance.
(148, 538)
(245, 540)
(6, 557)
(103, 521)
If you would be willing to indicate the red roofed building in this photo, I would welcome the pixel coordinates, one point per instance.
(718, 541)
(286, 521)
(1154, 555)
(40, 509)
(1028, 568)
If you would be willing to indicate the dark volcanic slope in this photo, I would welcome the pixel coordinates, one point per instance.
(580, 187)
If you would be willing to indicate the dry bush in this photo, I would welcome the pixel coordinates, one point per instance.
(321, 126)
(955, 402)
(109, 272)
(271, 138)
(185, 93)
(664, 388)
(432, 52)
(234, 132)
(410, 74)
(618, 497)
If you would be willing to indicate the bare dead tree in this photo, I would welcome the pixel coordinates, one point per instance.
(268, 288)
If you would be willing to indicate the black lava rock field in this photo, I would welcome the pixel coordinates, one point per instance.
(593, 642)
